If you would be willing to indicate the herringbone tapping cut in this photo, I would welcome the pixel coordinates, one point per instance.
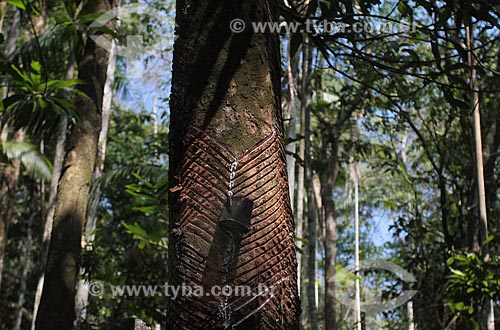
(264, 256)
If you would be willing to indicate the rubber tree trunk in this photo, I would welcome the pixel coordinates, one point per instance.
(57, 305)
(226, 128)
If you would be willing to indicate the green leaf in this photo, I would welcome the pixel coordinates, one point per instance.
(36, 66)
(134, 229)
(457, 272)
(142, 245)
(403, 8)
(18, 3)
(35, 163)
(147, 209)
(489, 239)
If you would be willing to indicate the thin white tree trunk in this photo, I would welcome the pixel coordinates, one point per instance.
(483, 216)
(301, 215)
(411, 320)
(3, 7)
(291, 147)
(155, 125)
(300, 220)
(355, 179)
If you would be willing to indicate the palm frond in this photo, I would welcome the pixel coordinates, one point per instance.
(35, 163)
(126, 174)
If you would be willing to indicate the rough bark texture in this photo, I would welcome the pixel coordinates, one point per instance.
(24, 274)
(225, 106)
(62, 131)
(305, 99)
(11, 172)
(312, 231)
(57, 304)
(10, 175)
(328, 181)
(82, 295)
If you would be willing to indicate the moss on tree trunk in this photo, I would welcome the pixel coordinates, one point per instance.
(225, 106)
(56, 311)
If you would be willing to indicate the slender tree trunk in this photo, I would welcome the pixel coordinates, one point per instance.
(411, 320)
(306, 97)
(301, 218)
(156, 125)
(24, 274)
(9, 50)
(62, 130)
(47, 230)
(10, 180)
(319, 233)
(57, 304)
(291, 147)
(483, 216)
(82, 296)
(226, 139)
(312, 232)
(305, 101)
(328, 182)
(11, 172)
(3, 7)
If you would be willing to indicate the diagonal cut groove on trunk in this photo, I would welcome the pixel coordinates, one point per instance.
(234, 260)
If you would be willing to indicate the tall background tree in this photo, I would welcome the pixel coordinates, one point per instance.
(57, 304)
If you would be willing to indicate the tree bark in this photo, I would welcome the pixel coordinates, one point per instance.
(24, 274)
(57, 304)
(301, 218)
(226, 129)
(483, 216)
(11, 172)
(328, 182)
(312, 232)
(82, 296)
(62, 131)
(291, 147)
(3, 7)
